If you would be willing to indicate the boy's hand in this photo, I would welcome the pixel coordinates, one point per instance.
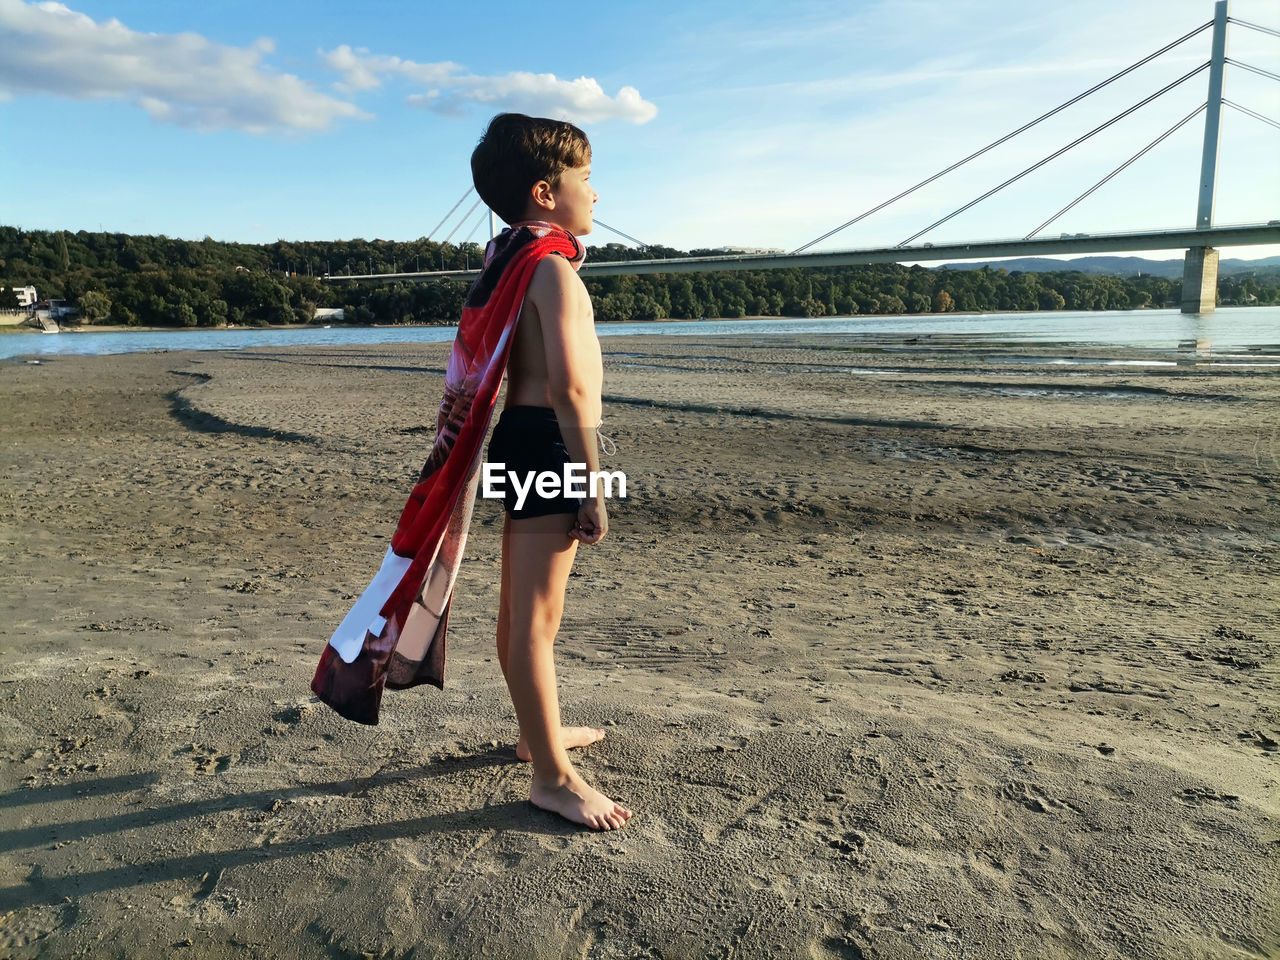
(592, 523)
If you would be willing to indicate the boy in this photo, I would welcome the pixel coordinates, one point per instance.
(529, 310)
(536, 172)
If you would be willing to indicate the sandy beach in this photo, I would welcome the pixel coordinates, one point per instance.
(903, 650)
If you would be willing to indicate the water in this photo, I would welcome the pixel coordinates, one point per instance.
(1240, 330)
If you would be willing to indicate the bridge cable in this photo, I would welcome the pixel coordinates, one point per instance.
(462, 221)
(1009, 136)
(484, 214)
(1256, 116)
(626, 236)
(1254, 26)
(1120, 169)
(450, 213)
(1057, 153)
(1252, 69)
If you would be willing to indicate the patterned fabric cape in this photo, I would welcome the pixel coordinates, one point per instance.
(394, 636)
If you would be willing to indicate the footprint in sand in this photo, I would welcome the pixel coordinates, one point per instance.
(1031, 797)
(1195, 796)
(1258, 739)
(292, 714)
(206, 760)
(852, 843)
(21, 931)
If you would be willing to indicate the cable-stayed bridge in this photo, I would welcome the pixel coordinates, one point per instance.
(1200, 241)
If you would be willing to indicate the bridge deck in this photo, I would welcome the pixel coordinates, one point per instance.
(1234, 236)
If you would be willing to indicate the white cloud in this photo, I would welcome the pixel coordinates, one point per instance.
(360, 68)
(176, 78)
(450, 90)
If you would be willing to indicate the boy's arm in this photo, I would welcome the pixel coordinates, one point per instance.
(572, 355)
(574, 371)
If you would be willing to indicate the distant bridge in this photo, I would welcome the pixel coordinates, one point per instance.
(1234, 236)
(1200, 265)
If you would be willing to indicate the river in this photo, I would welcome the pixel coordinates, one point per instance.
(1251, 331)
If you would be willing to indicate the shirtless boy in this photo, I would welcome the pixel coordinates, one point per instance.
(531, 169)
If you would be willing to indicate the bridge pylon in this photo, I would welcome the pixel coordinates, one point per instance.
(1200, 280)
(1200, 268)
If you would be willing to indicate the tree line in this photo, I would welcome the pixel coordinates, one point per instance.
(131, 280)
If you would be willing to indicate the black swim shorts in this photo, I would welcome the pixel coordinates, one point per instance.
(528, 440)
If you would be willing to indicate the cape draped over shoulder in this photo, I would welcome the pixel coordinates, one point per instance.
(394, 635)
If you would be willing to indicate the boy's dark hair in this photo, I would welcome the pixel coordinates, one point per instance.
(516, 152)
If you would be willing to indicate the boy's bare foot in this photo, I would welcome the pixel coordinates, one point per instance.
(573, 799)
(570, 737)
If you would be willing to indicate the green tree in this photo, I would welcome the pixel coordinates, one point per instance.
(615, 307)
(156, 311)
(892, 304)
(684, 303)
(647, 308)
(216, 315)
(184, 315)
(94, 307)
(1050, 299)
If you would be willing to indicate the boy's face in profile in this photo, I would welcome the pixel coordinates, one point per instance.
(570, 201)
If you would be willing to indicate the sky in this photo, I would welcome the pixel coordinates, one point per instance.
(740, 123)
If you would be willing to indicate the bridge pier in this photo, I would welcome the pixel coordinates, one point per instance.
(1200, 280)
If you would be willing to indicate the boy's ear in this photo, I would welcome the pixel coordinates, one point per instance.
(542, 195)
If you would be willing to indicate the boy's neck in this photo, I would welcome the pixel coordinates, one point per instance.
(540, 218)
(576, 261)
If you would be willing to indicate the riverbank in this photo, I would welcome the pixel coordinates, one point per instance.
(138, 328)
(902, 650)
(120, 328)
(1252, 332)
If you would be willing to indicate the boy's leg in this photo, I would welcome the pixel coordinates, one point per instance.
(570, 737)
(539, 556)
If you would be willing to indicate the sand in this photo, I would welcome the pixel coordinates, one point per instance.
(902, 650)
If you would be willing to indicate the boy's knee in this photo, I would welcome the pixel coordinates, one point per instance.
(546, 622)
(540, 623)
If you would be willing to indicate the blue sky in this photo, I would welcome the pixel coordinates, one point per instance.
(720, 123)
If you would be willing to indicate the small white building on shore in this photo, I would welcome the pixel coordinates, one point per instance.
(26, 295)
(12, 316)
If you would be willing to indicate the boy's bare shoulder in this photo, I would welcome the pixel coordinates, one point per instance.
(556, 287)
(555, 270)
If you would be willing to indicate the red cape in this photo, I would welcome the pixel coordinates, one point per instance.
(394, 636)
